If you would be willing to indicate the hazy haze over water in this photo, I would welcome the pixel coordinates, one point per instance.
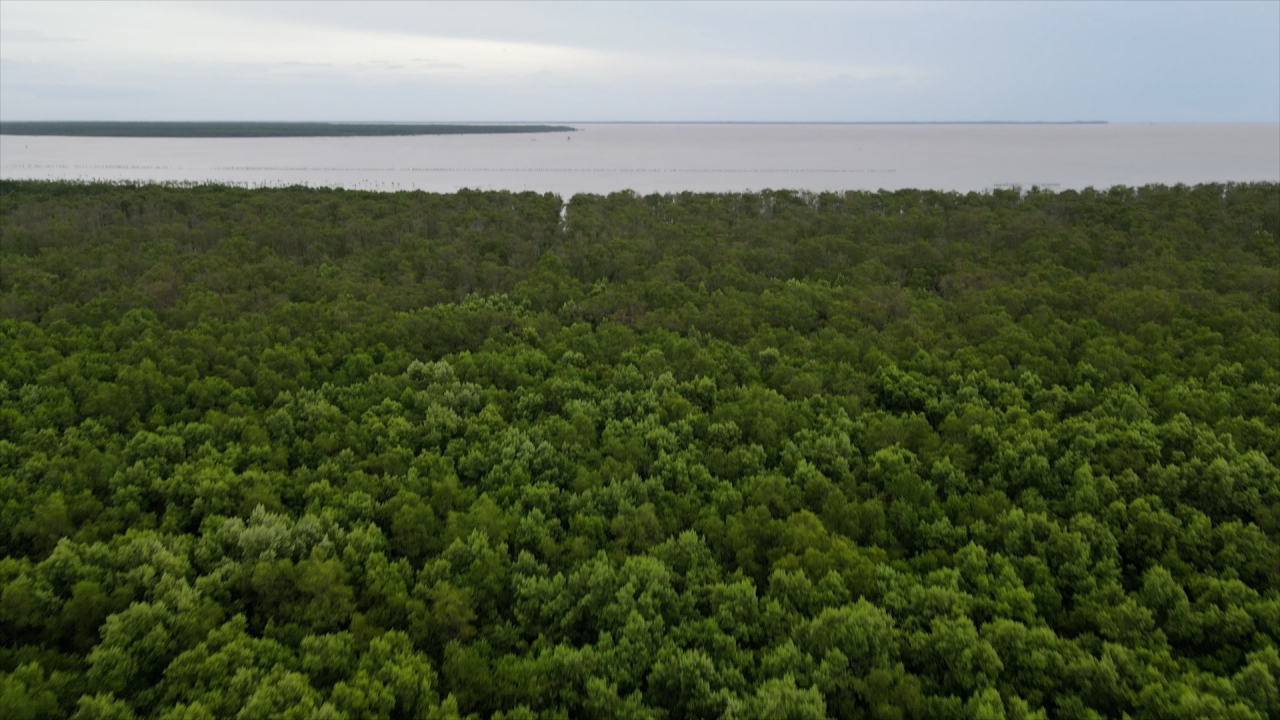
(662, 158)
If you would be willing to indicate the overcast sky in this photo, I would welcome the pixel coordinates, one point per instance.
(649, 61)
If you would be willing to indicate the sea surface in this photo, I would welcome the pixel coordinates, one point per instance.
(665, 158)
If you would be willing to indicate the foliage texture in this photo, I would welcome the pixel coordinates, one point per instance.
(321, 453)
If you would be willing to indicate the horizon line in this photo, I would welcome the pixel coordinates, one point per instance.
(660, 122)
(605, 122)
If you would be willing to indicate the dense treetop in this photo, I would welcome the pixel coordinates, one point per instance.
(322, 453)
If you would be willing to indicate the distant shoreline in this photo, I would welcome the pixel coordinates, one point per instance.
(261, 129)
(844, 122)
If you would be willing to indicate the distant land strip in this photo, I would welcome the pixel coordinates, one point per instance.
(259, 129)
(843, 122)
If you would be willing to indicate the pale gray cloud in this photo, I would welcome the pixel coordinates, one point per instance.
(19, 36)
(757, 61)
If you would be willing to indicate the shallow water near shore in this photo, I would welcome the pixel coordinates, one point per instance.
(663, 158)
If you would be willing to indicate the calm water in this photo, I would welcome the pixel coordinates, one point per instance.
(671, 158)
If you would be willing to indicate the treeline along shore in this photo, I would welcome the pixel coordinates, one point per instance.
(320, 453)
(261, 129)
